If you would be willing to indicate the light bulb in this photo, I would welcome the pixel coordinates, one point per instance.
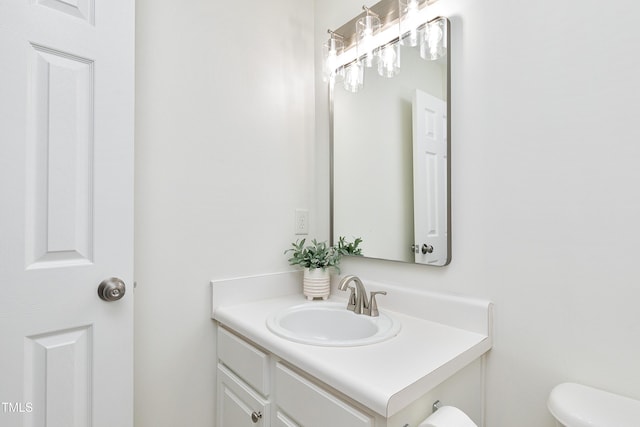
(431, 44)
(330, 51)
(354, 77)
(409, 22)
(330, 64)
(366, 29)
(389, 60)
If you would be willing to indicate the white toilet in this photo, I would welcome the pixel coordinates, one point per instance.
(576, 405)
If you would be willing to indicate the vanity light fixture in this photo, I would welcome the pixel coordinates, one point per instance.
(331, 49)
(378, 35)
(409, 21)
(366, 29)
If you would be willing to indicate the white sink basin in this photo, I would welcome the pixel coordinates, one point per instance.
(331, 324)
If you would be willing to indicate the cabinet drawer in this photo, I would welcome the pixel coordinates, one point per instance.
(238, 405)
(311, 406)
(249, 363)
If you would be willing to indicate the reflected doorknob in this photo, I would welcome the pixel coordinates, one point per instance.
(427, 249)
(111, 289)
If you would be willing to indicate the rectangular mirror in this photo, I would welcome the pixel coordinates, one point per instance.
(390, 160)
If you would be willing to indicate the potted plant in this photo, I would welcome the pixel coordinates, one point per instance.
(318, 259)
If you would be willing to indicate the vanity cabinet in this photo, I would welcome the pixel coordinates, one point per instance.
(255, 388)
(438, 354)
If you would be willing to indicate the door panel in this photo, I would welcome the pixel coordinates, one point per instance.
(82, 9)
(66, 223)
(58, 377)
(59, 159)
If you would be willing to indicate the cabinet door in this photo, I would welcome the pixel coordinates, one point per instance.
(238, 404)
(312, 406)
(283, 421)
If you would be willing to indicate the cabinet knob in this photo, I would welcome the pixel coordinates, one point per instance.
(256, 416)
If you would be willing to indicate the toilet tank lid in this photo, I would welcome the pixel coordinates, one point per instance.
(577, 405)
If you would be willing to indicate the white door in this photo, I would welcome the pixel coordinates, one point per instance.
(430, 179)
(66, 218)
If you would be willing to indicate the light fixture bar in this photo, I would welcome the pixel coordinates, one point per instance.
(368, 11)
(386, 36)
(386, 10)
(334, 33)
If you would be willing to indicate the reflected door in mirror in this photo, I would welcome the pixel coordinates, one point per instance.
(430, 178)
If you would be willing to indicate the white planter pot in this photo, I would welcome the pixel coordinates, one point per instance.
(316, 283)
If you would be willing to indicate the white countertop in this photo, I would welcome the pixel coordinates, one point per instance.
(385, 377)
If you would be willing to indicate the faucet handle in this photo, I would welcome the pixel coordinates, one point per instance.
(351, 305)
(373, 305)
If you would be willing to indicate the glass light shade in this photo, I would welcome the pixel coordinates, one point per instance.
(389, 60)
(408, 22)
(331, 49)
(366, 29)
(432, 41)
(354, 76)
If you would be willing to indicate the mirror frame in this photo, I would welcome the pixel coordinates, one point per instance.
(331, 87)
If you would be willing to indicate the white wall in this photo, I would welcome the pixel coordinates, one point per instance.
(224, 147)
(546, 205)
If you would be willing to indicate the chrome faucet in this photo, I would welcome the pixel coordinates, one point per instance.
(358, 302)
